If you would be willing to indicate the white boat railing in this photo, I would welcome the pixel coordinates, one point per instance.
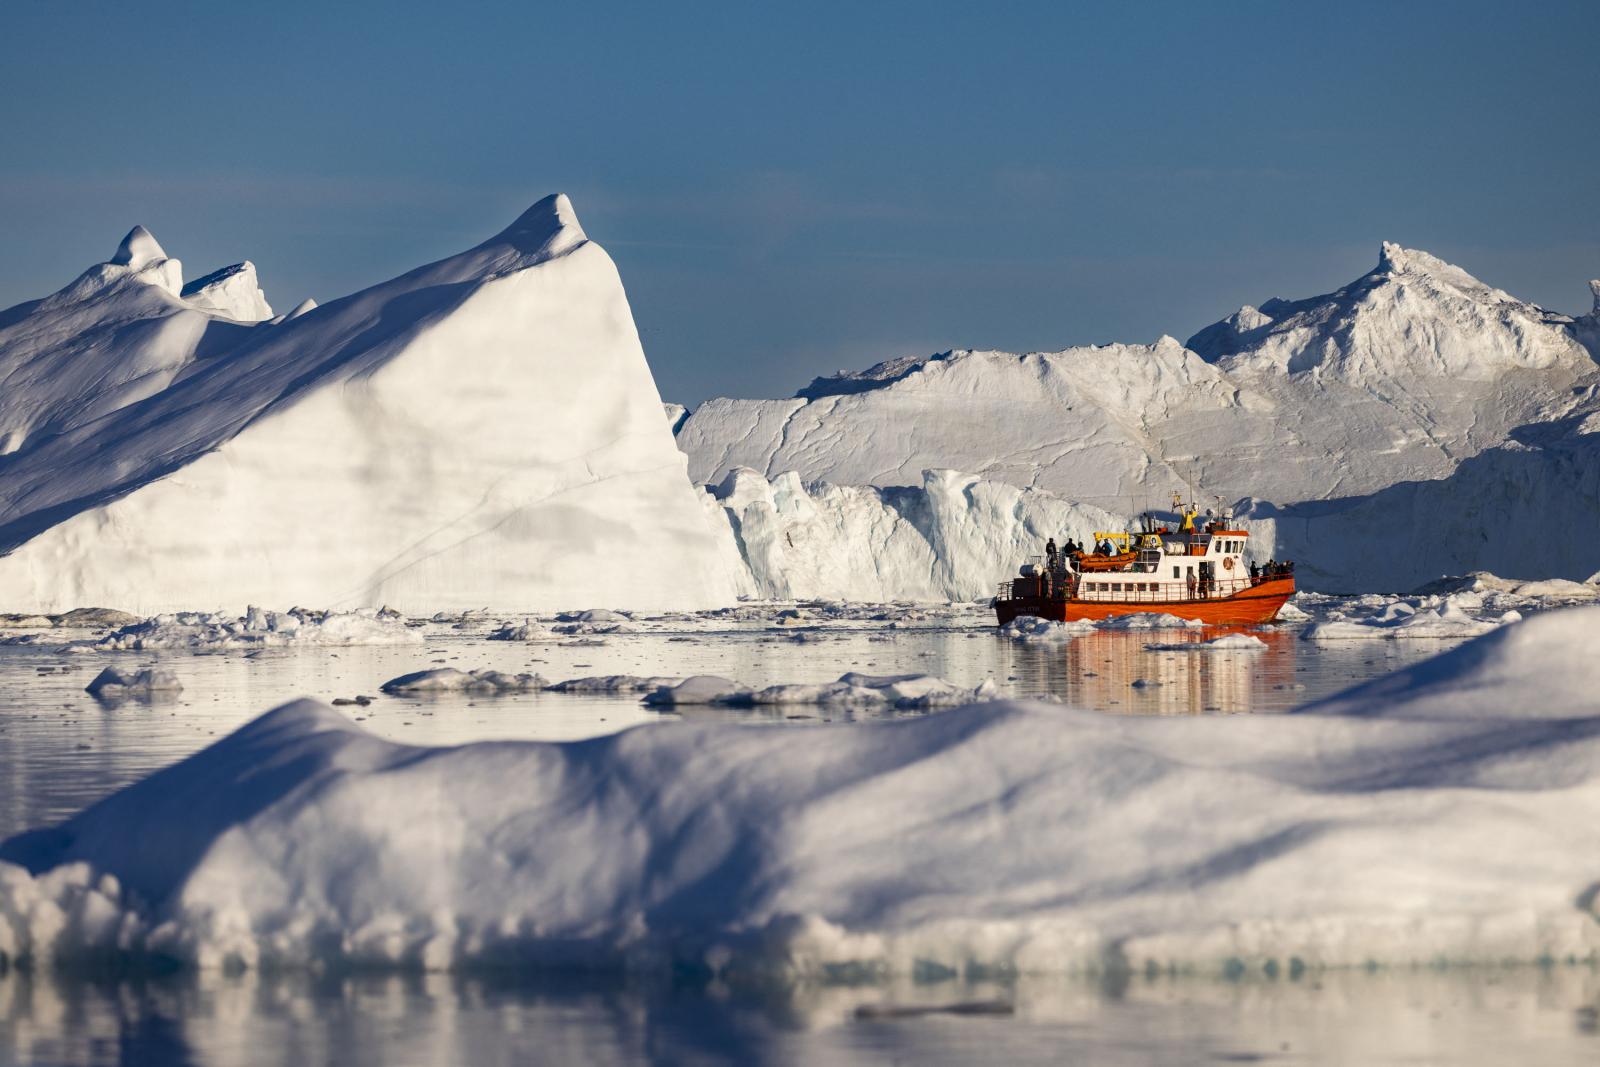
(1092, 587)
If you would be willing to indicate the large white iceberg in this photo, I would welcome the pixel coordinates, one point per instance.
(1447, 813)
(481, 430)
(1413, 422)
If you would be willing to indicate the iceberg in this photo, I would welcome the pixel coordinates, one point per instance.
(1416, 405)
(952, 537)
(480, 430)
(1010, 837)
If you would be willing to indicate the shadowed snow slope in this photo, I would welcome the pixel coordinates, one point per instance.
(1390, 384)
(1449, 813)
(482, 430)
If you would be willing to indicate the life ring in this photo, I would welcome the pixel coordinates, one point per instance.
(1227, 563)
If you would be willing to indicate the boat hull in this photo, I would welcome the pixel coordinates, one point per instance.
(1249, 607)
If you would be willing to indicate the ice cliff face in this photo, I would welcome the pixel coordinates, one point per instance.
(481, 430)
(1339, 402)
(954, 537)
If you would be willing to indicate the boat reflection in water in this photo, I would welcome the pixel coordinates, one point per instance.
(1127, 671)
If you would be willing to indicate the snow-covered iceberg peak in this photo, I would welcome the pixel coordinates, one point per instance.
(547, 229)
(1413, 318)
(479, 430)
(232, 291)
(139, 249)
(1587, 328)
(1395, 260)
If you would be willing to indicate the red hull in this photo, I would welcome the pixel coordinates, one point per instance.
(1248, 607)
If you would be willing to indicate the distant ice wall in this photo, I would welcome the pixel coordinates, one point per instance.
(955, 537)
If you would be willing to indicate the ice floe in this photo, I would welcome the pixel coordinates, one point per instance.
(1400, 621)
(111, 683)
(1226, 643)
(450, 680)
(906, 691)
(255, 629)
(527, 630)
(614, 683)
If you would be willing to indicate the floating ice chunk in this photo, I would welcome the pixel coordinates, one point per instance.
(905, 691)
(112, 683)
(1447, 621)
(615, 683)
(256, 629)
(528, 630)
(1033, 628)
(1291, 613)
(594, 615)
(1148, 620)
(1559, 590)
(699, 689)
(1225, 643)
(450, 680)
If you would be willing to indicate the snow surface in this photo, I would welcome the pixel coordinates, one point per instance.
(1443, 814)
(481, 430)
(1416, 407)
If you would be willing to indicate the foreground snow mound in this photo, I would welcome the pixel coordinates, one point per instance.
(1008, 836)
(480, 430)
(255, 629)
(1546, 666)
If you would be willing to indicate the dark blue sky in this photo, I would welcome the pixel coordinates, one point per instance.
(791, 191)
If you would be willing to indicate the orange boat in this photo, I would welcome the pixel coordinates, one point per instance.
(1193, 573)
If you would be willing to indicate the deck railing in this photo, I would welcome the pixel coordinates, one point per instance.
(1093, 587)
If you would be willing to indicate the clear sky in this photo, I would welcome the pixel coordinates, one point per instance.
(792, 189)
